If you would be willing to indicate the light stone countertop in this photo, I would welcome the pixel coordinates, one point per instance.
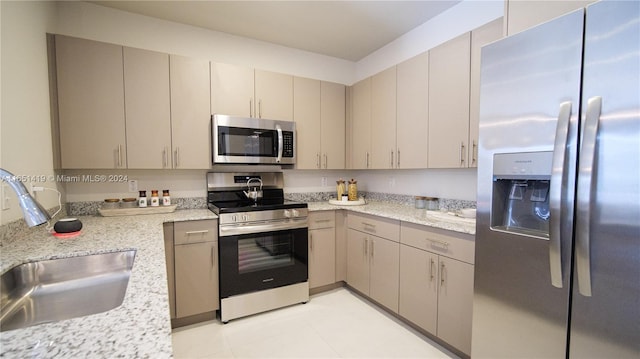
(140, 327)
(406, 213)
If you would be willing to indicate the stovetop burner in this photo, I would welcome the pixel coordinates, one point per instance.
(234, 201)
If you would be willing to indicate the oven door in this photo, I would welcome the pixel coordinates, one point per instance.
(258, 261)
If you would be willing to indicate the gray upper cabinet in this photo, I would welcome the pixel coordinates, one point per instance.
(449, 81)
(479, 37)
(361, 124)
(190, 113)
(383, 119)
(90, 103)
(147, 113)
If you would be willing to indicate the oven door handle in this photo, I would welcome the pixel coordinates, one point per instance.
(261, 227)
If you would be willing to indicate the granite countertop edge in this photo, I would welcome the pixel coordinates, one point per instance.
(140, 327)
(405, 213)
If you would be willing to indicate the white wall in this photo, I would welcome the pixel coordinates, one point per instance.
(25, 115)
(100, 23)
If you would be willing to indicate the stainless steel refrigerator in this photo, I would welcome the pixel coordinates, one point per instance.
(557, 267)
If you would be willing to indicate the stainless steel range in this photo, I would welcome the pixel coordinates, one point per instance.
(262, 243)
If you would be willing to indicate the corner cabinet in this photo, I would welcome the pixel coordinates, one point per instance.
(90, 104)
(449, 81)
(193, 270)
(436, 282)
(373, 255)
(319, 113)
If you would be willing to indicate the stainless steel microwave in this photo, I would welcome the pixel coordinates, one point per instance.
(240, 140)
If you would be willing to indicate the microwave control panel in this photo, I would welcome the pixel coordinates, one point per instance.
(287, 144)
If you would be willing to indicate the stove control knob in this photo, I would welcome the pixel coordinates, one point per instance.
(295, 213)
(287, 213)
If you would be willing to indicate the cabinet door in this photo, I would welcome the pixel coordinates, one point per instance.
(419, 287)
(384, 271)
(196, 278)
(383, 119)
(358, 260)
(413, 112)
(148, 115)
(361, 124)
(274, 95)
(169, 257)
(90, 104)
(332, 125)
(306, 114)
(232, 90)
(455, 303)
(479, 37)
(190, 113)
(322, 257)
(449, 76)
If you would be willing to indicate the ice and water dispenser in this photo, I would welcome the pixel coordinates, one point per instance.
(521, 193)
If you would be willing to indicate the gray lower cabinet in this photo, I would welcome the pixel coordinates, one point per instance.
(373, 255)
(436, 282)
(195, 267)
(322, 248)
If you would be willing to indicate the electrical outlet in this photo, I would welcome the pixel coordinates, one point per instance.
(324, 181)
(133, 185)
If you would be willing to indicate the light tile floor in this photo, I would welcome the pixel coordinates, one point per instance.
(334, 324)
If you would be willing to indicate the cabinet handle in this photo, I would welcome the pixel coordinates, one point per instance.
(322, 220)
(444, 245)
(462, 153)
(372, 245)
(474, 153)
(177, 157)
(325, 161)
(311, 241)
(197, 232)
(259, 108)
(119, 156)
(366, 244)
(212, 257)
(391, 163)
(165, 160)
(250, 107)
(318, 160)
(398, 158)
(442, 272)
(366, 160)
(431, 271)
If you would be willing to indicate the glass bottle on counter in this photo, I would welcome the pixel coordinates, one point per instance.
(166, 199)
(155, 200)
(142, 199)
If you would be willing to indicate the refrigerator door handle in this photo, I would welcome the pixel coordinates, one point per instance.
(586, 171)
(556, 186)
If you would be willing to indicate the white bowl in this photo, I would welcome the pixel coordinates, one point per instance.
(468, 213)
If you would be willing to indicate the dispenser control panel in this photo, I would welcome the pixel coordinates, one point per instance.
(524, 165)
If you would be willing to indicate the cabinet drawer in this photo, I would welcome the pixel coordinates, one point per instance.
(381, 227)
(322, 219)
(196, 231)
(455, 245)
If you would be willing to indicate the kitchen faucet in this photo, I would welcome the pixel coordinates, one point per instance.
(32, 211)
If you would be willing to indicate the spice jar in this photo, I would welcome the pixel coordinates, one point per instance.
(155, 200)
(166, 199)
(421, 202)
(353, 190)
(142, 199)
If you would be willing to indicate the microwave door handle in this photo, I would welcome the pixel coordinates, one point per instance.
(280, 143)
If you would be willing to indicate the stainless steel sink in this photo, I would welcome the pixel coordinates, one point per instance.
(57, 289)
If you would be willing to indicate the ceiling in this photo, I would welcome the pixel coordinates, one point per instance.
(350, 30)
